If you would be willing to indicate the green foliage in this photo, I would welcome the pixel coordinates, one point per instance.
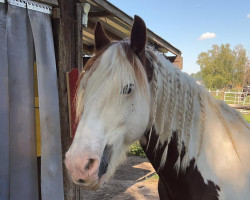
(247, 118)
(246, 80)
(217, 95)
(197, 76)
(222, 66)
(135, 149)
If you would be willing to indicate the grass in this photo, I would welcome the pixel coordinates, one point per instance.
(217, 95)
(153, 177)
(247, 118)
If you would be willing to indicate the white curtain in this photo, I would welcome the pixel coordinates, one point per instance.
(4, 107)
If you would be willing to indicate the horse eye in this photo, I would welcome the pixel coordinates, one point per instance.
(128, 89)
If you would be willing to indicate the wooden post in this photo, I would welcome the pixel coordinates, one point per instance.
(178, 62)
(79, 44)
(64, 31)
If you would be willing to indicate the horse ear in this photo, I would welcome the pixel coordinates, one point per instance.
(138, 37)
(101, 39)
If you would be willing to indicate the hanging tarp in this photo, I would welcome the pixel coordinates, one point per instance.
(21, 97)
(51, 160)
(26, 36)
(4, 107)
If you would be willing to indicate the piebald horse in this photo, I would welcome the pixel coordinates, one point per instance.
(199, 146)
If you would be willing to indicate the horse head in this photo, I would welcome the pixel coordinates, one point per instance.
(113, 107)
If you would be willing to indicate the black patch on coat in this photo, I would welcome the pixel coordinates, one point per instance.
(188, 185)
(103, 168)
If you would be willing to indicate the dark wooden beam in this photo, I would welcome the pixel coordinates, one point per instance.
(240, 106)
(171, 58)
(99, 14)
(87, 40)
(89, 50)
(79, 11)
(64, 32)
(49, 2)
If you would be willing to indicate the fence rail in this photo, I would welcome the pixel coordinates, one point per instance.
(238, 100)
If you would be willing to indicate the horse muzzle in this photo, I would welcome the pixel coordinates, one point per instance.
(90, 184)
(88, 171)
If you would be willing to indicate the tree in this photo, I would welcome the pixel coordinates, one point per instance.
(246, 78)
(222, 66)
(197, 76)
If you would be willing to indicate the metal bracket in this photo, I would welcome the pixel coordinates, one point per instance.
(19, 3)
(86, 8)
(32, 5)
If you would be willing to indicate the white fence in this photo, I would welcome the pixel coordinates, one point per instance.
(239, 100)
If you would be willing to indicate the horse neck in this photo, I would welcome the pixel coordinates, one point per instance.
(180, 105)
(172, 107)
(208, 127)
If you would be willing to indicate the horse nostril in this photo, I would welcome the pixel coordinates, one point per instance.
(81, 181)
(89, 164)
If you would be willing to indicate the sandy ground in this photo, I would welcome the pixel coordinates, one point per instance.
(134, 180)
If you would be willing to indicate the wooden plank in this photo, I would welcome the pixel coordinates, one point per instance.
(48, 2)
(79, 11)
(69, 106)
(171, 58)
(65, 47)
(88, 41)
(179, 62)
(99, 14)
(239, 106)
(88, 33)
(88, 49)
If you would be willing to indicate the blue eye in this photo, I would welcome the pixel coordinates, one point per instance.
(128, 89)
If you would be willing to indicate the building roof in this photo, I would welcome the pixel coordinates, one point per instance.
(118, 26)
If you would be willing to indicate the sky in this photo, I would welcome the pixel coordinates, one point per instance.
(194, 26)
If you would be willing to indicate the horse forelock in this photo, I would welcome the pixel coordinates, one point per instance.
(105, 60)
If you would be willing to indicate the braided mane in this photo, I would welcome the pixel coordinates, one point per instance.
(174, 107)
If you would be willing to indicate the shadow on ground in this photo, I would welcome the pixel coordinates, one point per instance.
(134, 180)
